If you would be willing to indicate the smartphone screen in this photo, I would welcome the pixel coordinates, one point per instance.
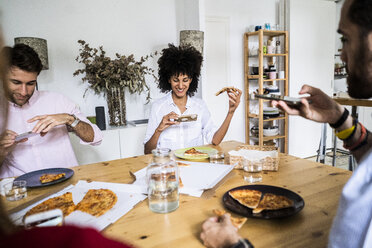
(291, 101)
(25, 135)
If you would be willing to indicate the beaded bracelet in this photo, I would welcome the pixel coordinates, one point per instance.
(360, 140)
(364, 142)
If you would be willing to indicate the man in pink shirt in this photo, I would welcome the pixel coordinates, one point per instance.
(49, 115)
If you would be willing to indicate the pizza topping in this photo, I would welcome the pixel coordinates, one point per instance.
(97, 202)
(63, 202)
(237, 222)
(273, 202)
(247, 197)
(46, 178)
(194, 152)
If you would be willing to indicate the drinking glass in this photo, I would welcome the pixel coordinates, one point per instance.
(16, 190)
(252, 170)
(217, 158)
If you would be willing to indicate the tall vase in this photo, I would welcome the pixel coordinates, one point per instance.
(116, 106)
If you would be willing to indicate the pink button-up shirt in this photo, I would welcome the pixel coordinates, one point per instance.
(50, 151)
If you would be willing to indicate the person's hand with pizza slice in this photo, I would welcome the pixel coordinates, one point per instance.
(219, 232)
(234, 100)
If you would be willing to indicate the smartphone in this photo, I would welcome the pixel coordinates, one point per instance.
(187, 118)
(25, 135)
(291, 101)
(48, 218)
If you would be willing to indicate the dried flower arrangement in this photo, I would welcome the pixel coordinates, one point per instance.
(112, 76)
(103, 73)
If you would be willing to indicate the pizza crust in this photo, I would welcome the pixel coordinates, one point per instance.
(228, 89)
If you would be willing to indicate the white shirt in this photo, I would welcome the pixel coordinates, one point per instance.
(50, 151)
(185, 134)
(352, 225)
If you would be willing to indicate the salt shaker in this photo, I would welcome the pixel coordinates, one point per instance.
(162, 182)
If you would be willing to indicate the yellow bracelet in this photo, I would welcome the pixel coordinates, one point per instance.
(344, 134)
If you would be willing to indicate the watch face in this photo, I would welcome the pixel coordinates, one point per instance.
(75, 122)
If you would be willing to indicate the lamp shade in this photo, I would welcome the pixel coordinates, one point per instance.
(194, 38)
(39, 45)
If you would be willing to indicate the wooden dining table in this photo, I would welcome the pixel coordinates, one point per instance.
(319, 185)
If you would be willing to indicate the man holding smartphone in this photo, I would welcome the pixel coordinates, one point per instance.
(352, 226)
(49, 115)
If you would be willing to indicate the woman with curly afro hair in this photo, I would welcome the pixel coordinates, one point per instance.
(179, 72)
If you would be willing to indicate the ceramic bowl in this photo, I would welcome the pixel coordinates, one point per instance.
(271, 131)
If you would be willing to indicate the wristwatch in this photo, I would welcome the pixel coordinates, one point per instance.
(243, 243)
(75, 122)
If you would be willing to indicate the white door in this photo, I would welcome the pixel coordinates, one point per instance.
(216, 65)
(312, 28)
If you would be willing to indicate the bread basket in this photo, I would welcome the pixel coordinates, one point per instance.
(269, 163)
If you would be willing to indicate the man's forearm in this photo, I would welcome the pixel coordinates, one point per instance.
(84, 131)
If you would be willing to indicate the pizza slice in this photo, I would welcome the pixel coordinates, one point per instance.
(273, 202)
(247, 197)
(228, 89)
(63, 202)
(194, 152)
(97, 202)
(237, 222)
(47, 178)
(182, 164)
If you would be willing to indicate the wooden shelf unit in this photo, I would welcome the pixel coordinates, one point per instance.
(283, 119)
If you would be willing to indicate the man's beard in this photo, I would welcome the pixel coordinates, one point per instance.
(359, 79)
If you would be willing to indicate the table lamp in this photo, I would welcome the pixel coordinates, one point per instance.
(39, 45)
(194, 38)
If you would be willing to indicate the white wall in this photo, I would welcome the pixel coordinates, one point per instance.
(124, 26)
(311, 57)
(241, 15)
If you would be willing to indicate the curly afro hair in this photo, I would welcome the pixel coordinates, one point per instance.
(179, 60)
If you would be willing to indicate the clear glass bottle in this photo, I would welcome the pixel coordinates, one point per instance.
(162, 182)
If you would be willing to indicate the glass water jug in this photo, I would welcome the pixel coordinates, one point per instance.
(162, 182)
